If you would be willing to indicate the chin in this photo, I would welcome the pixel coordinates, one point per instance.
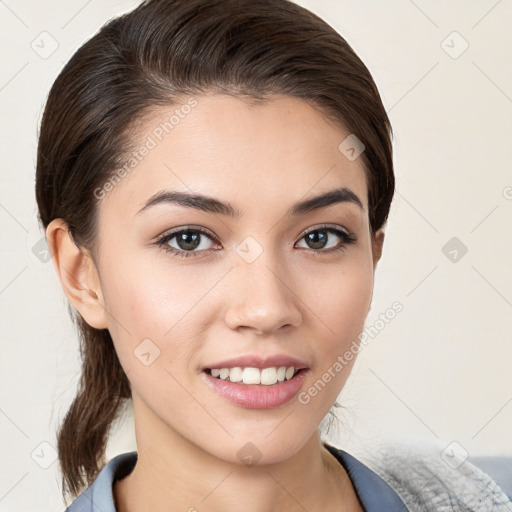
(259, 450)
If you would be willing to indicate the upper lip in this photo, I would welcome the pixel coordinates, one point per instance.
(260, 361)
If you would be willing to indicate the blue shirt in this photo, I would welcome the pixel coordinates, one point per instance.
(373, 492)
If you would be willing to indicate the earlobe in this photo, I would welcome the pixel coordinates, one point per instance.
(77, 274)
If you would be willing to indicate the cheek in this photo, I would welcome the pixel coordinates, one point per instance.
(151, 300)
(151, 296)
(151, 327)
(340, 303)
(341, 298)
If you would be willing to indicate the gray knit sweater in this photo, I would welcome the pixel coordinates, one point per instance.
(426, 482)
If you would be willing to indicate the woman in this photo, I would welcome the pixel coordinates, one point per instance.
(249, 139)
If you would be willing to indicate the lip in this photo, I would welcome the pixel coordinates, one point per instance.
(259, 361)
(257, 396)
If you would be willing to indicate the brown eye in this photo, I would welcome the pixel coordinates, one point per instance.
(186, 242)
(327, 239)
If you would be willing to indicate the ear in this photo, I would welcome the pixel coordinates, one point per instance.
(77, 274)
(377, 243)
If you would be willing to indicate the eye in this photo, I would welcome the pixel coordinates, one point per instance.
(184, 242)
(321, 239)
(191, 241)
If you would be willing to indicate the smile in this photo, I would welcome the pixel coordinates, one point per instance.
(265, 376)
(264, 388)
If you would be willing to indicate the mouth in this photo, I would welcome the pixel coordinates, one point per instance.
(254, 382)
(253, 376)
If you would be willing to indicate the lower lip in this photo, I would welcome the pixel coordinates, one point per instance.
(257, 396)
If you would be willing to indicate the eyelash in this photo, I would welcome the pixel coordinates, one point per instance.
(346, 237)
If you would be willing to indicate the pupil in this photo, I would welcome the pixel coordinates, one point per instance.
(318, 238)
(188, 240)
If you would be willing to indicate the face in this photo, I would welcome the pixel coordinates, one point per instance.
(197, 290)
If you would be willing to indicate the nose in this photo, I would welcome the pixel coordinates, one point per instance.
(261, 297)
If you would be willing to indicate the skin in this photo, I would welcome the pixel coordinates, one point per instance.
(293, 300)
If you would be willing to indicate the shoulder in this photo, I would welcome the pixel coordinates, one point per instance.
(428, 477)
(99, 497)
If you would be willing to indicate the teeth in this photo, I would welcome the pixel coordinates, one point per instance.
(251, 376)
(235, 374)
(289, 373)
(267, 376)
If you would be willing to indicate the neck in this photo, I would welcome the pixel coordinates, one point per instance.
(174, 474)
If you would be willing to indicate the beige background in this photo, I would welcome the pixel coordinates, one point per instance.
(440, 371)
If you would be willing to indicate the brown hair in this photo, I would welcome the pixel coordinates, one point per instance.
(155, 55)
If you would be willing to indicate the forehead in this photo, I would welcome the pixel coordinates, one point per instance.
(276, 152)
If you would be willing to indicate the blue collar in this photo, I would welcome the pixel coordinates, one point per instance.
(373, 492)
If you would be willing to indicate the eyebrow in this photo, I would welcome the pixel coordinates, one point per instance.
(212, 205)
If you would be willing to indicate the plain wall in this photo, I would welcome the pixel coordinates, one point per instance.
(440, 370)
